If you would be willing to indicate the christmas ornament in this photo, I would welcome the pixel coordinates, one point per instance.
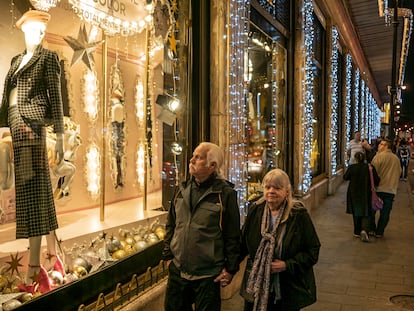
(14, 263)
(56, 277)
(82, 48)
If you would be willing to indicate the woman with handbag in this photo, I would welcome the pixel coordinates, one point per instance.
(359, 198)
(282, 246)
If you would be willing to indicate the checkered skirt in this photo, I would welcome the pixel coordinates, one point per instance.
(35, 207)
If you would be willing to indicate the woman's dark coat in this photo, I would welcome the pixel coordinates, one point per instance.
(300, 252)
(358, 198)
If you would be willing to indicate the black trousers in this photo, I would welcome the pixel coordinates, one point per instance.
(181, 294)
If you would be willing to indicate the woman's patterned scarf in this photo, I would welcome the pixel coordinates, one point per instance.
(260, 280)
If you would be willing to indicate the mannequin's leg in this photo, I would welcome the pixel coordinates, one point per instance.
(53, 260)
(34, 257)
(51, 243)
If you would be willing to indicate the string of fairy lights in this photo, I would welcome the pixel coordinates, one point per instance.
(356, 100)
(333, 134)
(237, 26)
(364, 124)
(308, 97)
(348, 88)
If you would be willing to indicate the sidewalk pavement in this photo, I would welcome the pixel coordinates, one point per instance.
(352, 275)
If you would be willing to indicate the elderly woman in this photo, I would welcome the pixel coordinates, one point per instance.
(282, 247)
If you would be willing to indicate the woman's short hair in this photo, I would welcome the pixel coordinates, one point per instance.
(278, 178)
(214, 154)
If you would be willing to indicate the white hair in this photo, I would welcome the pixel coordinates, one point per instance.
(214, 155)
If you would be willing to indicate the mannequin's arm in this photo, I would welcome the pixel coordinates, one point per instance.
(59, 148)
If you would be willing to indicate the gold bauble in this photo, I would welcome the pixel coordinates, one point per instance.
(80, 271)
(119, 254)
(3, 282)
(160, 232)
(130, 240)
(129, 249)
(138, 237)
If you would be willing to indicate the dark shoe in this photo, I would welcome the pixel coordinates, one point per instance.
(378, 236)
(364, 236)
(371, 233)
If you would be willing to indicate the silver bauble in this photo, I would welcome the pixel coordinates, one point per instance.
(70, 277)
(11, 305)
(56, 277)
(140, 245)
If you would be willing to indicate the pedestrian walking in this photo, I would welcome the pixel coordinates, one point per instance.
(358, 197)
(404, 154)
(389, 170)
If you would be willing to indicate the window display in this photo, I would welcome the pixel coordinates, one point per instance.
(266, 103)
(115, 141)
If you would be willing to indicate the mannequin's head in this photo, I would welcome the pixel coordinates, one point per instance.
(33, 23)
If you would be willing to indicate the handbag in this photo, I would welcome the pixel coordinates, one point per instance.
(243, 288)
(376, 201)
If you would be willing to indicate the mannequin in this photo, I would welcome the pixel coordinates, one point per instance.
(117, 137)
(32, 100)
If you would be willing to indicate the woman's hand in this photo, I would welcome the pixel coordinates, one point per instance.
(224, 278)
(277, 266)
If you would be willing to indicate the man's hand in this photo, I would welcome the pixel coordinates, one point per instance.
(59, 149)
(224, 278)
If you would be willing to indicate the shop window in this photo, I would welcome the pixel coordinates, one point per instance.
(318, 120)
(266, 103)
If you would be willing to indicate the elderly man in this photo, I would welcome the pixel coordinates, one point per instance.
(202, 244)
(388, 168)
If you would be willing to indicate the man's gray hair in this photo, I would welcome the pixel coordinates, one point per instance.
(214, 154)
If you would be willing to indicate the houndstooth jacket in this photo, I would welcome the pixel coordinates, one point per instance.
(39, 96)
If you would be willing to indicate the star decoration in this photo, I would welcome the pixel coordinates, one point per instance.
(14, 263)
(174, 6)
(173, 44)
(82, 48)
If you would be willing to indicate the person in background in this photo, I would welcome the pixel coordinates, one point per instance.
(202, 242)
(31, 100)
(282, 246)
(404, 154)
(389, 170)
(357, 145)
(358, 197)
